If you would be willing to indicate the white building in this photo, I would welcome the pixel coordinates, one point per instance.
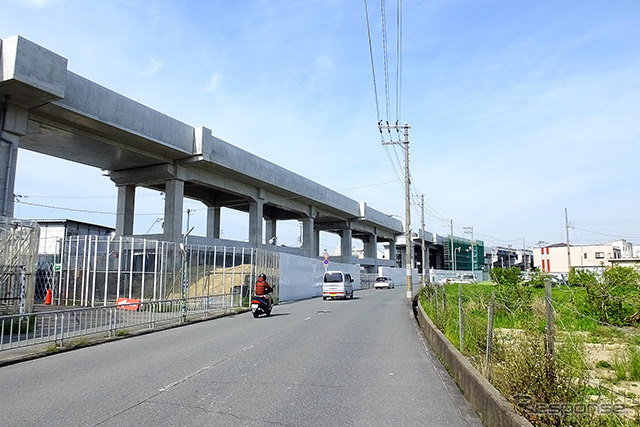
(555, 258)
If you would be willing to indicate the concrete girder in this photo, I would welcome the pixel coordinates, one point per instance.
(72, 118)
(148, 176)
(30, 74)
(108, 150)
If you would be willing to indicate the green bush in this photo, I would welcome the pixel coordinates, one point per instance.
(614, 298)
(506, 276)
(537, 279)
(582, 278)
(510, 290)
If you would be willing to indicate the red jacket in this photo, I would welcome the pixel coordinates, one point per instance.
(263, 287)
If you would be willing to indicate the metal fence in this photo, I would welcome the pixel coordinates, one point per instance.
(60, 326)
(96, 270)
(105, 285)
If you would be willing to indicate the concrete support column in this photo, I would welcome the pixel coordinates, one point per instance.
(426, 258)
(309, 244)
(8, 162)
(316, 247)
(346, 245)
(255, 221)
(371, 247)
(392, 250)
(213, 222)
(173, 203)
(271, 232)
(13, 125)
(125, 210)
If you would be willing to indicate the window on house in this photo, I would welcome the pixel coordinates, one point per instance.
(585, 256)
(599, 255)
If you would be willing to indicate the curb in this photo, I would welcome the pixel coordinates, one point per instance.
(490, 405)
(31, 352)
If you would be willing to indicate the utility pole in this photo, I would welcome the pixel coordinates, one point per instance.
(407, 199)
(189, 211)
(424, 265)
(566, 224)
(185, 278)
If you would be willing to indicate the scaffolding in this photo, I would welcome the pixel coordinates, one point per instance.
(18, 255)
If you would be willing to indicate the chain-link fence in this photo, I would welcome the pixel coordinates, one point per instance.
(541, 348)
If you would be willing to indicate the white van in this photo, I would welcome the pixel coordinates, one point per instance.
(337, 284)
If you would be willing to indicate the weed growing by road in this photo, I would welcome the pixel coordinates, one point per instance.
(521, 364)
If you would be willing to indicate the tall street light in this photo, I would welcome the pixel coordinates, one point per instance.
(469, 230)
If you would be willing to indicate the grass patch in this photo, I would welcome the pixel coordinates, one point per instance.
(78, 342)
(634, 364)
(607, 334)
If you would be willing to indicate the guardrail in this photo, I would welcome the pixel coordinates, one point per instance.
(57, 326)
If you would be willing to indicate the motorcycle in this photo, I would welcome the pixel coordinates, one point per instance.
(259, 305)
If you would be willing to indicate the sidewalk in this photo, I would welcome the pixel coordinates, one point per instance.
(30, 352)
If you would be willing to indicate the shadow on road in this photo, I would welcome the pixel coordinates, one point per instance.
(273, 315)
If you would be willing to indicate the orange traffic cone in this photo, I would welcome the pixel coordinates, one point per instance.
(47, 300)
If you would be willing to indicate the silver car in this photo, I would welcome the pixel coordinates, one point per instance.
(384, 282)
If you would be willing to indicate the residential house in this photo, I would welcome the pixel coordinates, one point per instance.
(555, 258)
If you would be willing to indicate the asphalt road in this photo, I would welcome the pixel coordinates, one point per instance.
(314, 362)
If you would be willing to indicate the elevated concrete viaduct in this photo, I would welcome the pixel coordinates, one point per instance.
(50, 110)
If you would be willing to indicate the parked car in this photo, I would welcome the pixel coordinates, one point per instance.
(337, 284)
(384, 282)
(464, 278)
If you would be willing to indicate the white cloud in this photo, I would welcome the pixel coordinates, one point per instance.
(212, 84)
(153, 67)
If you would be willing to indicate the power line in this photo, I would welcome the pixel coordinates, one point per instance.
(398, 60)
(604, 234)
(40, 205)
(385, 58)
(370, 185)
(373, 70)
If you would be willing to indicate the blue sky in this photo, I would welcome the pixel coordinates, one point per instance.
(518, 109)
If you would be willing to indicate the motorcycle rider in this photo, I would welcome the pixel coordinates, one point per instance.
(263, 289)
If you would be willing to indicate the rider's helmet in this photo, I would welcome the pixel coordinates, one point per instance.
(263, 277)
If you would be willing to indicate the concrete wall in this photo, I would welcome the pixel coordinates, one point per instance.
(492, 408)
(301, 277)
(399, 275)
